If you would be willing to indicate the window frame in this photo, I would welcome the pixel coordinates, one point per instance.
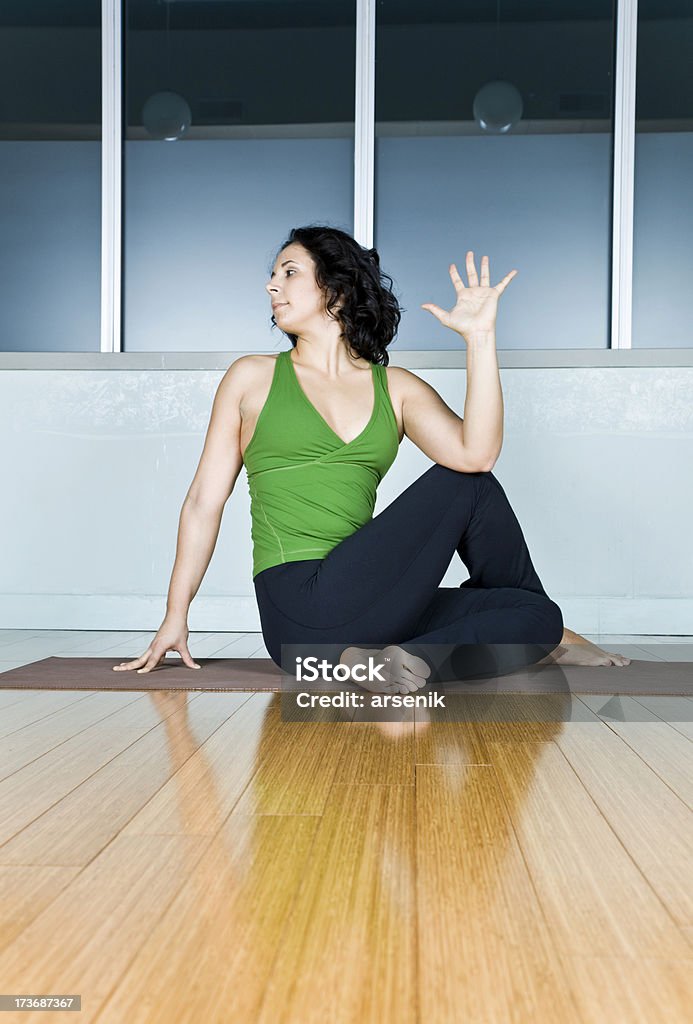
(623, 170)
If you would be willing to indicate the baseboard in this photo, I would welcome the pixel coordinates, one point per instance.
(238, 613)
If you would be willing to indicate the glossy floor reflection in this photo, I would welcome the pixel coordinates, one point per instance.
(176, 856)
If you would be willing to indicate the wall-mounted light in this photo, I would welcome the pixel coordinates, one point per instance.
(166, 114)
(497, 106)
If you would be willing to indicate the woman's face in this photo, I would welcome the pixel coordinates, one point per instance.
(293, 285)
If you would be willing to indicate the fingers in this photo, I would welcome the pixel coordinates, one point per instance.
(127, 666)
(471, 270)
(157, 657)
(152, 657)
(438, 313)
(187, 658)
(485, 275)
(148, 661)
(151, 664)
(442, 315)
(456, 279)
(502, 285)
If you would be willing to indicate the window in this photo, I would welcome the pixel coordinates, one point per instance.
(240, 125)
(663, 212)
(494, 133)
(50, 176)
(155, 153)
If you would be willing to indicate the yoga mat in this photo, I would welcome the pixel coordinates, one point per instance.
(245, 674)
(673, 678)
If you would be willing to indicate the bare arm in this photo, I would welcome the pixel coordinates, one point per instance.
(473, 317)
(200, 519)
(483, 404)
(213, 483)
(198, 529)
(468, 444)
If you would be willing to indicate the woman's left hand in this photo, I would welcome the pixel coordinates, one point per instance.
(477, 305)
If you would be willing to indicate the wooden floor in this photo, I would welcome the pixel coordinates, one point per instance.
(187, 857)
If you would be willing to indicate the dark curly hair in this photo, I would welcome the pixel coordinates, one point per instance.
(344, 270)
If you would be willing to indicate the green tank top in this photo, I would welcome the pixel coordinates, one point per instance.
(309, 490)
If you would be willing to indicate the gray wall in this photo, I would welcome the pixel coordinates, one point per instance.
(596, 463)
(596, 458)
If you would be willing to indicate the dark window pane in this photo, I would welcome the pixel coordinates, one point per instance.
(663, 211)
(520, 172)
(253, 135)
(50, 176)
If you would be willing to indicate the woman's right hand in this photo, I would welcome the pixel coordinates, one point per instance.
(172, 636)
(477, 305)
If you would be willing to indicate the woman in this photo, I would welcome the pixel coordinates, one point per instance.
(317, 427)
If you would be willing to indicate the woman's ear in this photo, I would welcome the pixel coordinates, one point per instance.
(336, 308)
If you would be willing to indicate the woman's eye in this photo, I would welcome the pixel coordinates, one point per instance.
(291, 271)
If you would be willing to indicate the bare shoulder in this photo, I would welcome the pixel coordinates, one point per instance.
(399, 384)
(403, 383)
(249, 368)
(246, 376)
(400, 377)
(409, 386)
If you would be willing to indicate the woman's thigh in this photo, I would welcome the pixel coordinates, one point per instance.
(490, 615)
(474, 630)
(497, 616)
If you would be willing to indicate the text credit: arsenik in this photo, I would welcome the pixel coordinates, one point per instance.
(375, 700)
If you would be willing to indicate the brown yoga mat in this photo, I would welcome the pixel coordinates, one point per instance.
(97, 674)
(250, 674)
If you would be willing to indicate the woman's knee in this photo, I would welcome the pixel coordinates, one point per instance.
(546, 615)
(465, 478)
(274, 650)
(553, 621)
(439, 467)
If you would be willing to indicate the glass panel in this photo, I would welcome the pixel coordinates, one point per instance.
(494, 133)
(663, 210)
(240, 126)
(50, 176)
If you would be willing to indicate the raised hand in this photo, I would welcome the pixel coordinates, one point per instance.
(477, 306)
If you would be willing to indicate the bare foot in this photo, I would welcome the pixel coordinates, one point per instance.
(575, 650)
(402, 672)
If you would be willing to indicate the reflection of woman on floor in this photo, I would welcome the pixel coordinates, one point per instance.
(317, 427)
(307, 879)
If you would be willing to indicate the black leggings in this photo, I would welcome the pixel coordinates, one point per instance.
(380, 585)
